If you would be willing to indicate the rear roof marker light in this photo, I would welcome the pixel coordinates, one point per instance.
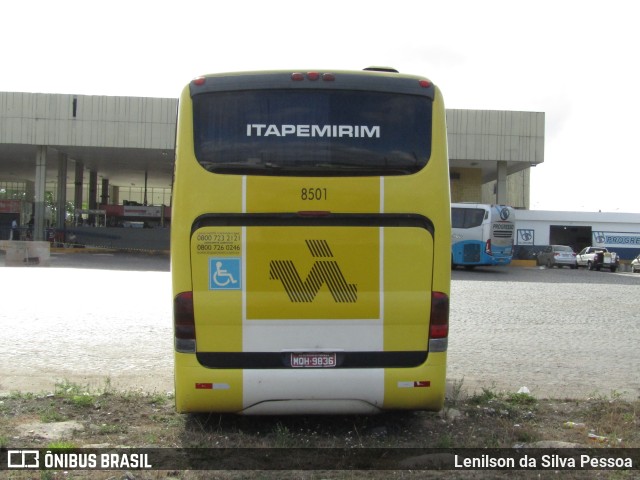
(425, 83)
(312, 76)
(199, 81)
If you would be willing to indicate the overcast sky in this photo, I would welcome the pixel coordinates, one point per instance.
(575, 61)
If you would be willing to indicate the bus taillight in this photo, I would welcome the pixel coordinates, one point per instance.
(439, 325)
(184, 322)
(487, 247)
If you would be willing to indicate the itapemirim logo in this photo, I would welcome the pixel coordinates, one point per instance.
(323, 271)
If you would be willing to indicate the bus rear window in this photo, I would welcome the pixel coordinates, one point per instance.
(312, 133)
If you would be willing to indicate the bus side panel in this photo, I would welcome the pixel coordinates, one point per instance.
(193, 196)
(216, 266)
(427, 193)
(408, 296)
(423, 387)
(205, 390)
(472, 252)
(420, 388)
(408, 266)
(469, 252)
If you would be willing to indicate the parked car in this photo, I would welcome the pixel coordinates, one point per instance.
(557, 256)
(595, 258)
(635, 264)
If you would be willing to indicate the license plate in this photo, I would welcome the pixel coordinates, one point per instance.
(313, 360)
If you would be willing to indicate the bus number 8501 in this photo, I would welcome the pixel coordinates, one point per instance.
(313, 194)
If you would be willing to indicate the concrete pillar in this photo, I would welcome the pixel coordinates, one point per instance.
(62, 190)
(501, 185)
(115, 195)
(77, 197)
(146, 176)
(526, 188)
(93, 195)
(104, 193)
(39, 200)
(78, 182)
(93, 190)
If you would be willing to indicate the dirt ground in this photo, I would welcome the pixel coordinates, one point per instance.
(74, 417)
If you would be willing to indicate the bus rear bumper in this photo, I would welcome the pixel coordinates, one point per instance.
(309, 391)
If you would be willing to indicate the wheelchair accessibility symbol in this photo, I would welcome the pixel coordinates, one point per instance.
(224, 274)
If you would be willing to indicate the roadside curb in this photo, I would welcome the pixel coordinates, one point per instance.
(107, 250)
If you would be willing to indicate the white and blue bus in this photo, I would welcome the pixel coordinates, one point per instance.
(481, 234)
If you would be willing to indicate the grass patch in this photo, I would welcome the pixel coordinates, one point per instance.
(51, 414)
(77, 395)
(62, 445)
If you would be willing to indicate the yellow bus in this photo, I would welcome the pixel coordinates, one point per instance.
(310, 243)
